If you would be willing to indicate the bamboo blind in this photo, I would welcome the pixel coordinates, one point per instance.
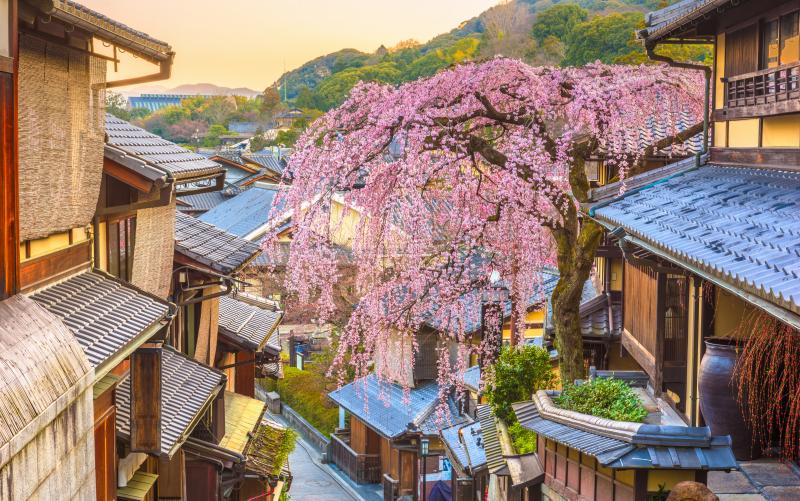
(61, 135)
(155, 246)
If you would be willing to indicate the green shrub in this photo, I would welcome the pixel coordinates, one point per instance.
(603, 397)
(524, 440)
(306, 392)
(518, 372)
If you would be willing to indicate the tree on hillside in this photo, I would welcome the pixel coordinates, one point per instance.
(601, 38)
(558, 21)
(506, 30)
(476, 170)
(270, 100)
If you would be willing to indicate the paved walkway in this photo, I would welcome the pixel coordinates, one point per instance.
(311, 480)
(759, 480)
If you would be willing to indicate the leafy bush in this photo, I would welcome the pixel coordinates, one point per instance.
(603, 397)
(306, 393)
(518, 372)
(524, 440)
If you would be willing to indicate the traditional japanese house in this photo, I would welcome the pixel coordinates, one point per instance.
(236, 333)
(381, 442)
(585, 457)
(54, 77)
(706, 248)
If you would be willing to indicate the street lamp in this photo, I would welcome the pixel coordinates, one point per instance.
(424, 443)
(492, 312)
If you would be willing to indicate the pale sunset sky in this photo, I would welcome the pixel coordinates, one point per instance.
(237, 43)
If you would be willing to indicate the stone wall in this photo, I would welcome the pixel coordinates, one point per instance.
(58, 463)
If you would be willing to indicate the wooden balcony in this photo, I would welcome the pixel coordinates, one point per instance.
(762, 93)
(361, 468)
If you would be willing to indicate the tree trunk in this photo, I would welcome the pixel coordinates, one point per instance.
(575, 259)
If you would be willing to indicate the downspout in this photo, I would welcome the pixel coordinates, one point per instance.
(706, 97)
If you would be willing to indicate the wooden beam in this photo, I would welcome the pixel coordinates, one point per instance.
(777, 158)
(639, 353)
(42, 270)
(127, 176)
(764, 109)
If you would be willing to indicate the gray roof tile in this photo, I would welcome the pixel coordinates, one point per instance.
(642, 452)
(491, 439)
(252, 326)
(266, 160)
(212, 246)
(106, 315)
(186, 387)
(466, 444)
(661, 22)
(739, 224)
(243, 213)
(182, 164)
(472, 378)
(383, 406)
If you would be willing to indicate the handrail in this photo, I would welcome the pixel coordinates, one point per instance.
(762, 87)
(759, 72)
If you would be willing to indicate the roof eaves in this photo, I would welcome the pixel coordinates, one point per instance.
(108, 29)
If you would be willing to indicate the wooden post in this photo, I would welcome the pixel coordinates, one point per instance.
(9, 206)
(658, 376)
(146, 398)
(218, 417)
(640, 485)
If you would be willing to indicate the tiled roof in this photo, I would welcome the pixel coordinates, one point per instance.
(434, 422)
(242, 416)
(383, 406)
(639, 181)
(597, 320)
(656, 130)
(202, 202)
(211, 246)
(108, 29)
(466, 443)
(249, 325)
(265, 456)
(266, 160)
(741, 225)
(187, 387)
(491, 439)
(106, 315)
(680, 448)
(661, 22)
(472, 378)
(244, 213)
(182, 164)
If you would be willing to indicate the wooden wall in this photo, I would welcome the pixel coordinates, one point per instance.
(9, 249)
(245, 375)
(641, 315)
(105, 449)
(363, 440)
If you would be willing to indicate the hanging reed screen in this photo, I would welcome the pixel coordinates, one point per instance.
(61, 135)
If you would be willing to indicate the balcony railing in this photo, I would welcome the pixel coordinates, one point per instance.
(390, 488)
(772, 86)
(361, 468)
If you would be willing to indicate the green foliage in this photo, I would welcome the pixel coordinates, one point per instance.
(524, 440)
(603, 397)
(687, 53)
(306, 392)
(518, 372)
(284, 448)
(601, 38)
(117, 105)
(258, 142)
(212, 138)
(558, 21)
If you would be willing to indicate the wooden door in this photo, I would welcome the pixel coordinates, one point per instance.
(202, 481)
(105, 449)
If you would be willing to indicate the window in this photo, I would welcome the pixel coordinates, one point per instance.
(120, 244)
(780, 41)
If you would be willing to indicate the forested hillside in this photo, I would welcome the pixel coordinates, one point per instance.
(537, 31)
(540, 32)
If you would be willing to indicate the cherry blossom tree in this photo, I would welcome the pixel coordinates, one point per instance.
(478, 169)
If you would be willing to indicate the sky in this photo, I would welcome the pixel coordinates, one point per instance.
(248, 43)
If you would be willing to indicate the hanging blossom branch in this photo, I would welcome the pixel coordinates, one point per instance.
(474, 170)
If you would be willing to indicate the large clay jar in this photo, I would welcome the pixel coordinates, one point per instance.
(717, 396)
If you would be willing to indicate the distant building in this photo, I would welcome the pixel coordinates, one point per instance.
(155, 102)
